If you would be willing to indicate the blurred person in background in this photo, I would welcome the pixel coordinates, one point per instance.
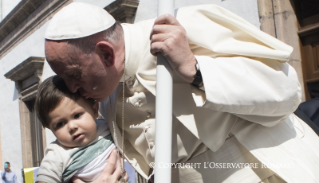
(7, 175)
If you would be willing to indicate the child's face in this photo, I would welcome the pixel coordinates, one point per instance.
(73, 122)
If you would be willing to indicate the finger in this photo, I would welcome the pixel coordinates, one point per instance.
(156, 48)
(159, 29)
(111, 163)
(166, 19)
(164, 24)
(126, 177)
(117, 172)
(163, 45)
(159, 38)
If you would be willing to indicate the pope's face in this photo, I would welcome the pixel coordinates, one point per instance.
(86, 73)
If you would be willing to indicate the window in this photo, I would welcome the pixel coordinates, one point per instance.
(27, 76)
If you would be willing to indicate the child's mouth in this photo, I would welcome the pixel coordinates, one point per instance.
(78, 137)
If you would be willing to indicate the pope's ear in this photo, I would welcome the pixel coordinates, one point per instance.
(106, 52)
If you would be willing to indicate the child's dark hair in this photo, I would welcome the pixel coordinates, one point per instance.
(50, 94)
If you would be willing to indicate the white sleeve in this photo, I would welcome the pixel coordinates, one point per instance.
(250, 88)
(51, 167)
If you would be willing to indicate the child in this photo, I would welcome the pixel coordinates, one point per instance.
(83, 144)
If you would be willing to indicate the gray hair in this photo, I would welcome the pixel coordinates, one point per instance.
(87, 44)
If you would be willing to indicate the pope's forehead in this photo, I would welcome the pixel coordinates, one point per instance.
(51, 45)
(61, 53)
(65, 67)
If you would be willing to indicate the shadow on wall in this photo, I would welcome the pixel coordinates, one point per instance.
(15, 94)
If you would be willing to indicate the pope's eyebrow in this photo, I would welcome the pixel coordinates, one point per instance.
(75, 72)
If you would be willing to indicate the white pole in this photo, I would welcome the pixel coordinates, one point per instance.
(164, 92)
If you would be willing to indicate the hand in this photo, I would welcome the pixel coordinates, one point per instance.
(108, 175)
(169, 38)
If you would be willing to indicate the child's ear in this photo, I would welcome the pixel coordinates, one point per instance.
(96, 109)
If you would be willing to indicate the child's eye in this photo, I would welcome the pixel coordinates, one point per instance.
(59, 125)
(76, 116)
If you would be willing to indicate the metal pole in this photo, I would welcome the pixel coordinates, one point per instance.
(164, 92)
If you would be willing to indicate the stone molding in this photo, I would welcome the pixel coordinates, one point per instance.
(309, 30)
(24, 19)
(30, 14)
(30, 66)
(29, 70)
(123, 10)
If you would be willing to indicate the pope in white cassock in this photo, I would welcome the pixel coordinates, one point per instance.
(239, 113)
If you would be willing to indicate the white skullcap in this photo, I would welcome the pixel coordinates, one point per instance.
(78, 20)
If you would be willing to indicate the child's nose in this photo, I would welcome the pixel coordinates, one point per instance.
(72, 127)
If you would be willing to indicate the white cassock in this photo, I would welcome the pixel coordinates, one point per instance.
(243, 114)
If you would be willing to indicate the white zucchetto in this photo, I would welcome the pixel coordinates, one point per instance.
(78, 20)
